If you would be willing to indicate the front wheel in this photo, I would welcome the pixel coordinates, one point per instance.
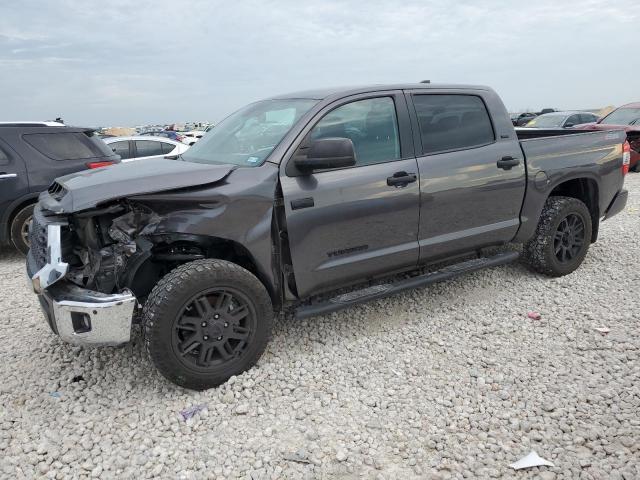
(206, 321)
(562, 237)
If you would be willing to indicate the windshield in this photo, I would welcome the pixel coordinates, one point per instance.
(623, 116)
(548, 120)
(248, 136)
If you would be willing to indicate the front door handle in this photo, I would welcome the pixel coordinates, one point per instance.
(7, 175)
(508, 162)
(401, 179)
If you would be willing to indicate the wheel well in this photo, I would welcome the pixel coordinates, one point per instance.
(585, 190)
(168, 252)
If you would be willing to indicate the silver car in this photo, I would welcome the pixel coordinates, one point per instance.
(144, 147)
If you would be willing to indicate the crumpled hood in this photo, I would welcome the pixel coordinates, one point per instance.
(89, 188)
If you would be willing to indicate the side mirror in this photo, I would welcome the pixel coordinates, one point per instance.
(569, 125)
(327, 153)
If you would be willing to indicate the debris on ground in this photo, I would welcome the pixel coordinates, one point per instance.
(77, 378)
(531, 460)
(55, 394)
(191, 411)
(534, 315)
(602, 330)
(299, 456)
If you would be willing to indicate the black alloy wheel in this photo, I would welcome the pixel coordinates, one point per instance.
(214, 327)
(569, 238)
(206, 321)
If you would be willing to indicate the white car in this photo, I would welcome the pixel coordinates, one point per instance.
(144, 147)
(192, 137)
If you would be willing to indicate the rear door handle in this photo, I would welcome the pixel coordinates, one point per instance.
(401, 179)
(7, 175)
(508, 162)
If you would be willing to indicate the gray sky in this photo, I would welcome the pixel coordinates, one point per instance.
(132, 62)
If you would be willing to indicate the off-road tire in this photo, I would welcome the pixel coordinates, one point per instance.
(18, 224)
(539, 252)
(167, 301)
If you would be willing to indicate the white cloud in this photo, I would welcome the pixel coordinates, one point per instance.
(146, 61)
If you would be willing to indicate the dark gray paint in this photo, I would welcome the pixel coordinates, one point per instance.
(90, 188)
(466, 201)
(567, 157)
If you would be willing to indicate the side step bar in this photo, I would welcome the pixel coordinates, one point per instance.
(384, 290)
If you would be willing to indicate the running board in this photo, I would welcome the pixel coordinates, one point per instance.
(384, 290)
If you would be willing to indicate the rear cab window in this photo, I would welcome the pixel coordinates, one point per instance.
(68, 145)
(452, 122)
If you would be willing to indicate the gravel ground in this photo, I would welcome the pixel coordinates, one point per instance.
(450, 381)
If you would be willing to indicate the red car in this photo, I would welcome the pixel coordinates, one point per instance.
(626, 118)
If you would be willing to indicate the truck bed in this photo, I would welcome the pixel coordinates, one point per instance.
(554, 157)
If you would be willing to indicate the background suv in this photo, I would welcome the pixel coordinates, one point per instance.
(32, 155)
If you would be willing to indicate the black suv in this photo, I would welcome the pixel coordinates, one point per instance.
(31, 156)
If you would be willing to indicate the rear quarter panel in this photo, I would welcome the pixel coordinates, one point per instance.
(552, 161)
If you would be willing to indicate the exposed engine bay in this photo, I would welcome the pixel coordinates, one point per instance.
(110, 246)
(108, 241)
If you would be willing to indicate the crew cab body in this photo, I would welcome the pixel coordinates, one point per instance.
(428, 174)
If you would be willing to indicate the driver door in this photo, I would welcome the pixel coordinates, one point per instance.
(349, 224)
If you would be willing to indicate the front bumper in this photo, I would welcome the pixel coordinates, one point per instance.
(85, 317)
(78, 315)
(617, 204)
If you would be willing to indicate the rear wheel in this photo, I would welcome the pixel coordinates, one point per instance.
(562, 237)
(206, 321)
(20, 228)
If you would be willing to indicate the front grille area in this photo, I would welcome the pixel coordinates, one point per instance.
(38, 238)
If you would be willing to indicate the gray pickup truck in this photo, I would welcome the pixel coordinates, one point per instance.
(308, 203)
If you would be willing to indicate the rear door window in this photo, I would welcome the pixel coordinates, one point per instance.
(121, 148)
(148, 148)
(167, 147)
(68, 145)
(452, 122)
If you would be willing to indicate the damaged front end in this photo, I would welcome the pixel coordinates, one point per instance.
(81, 267)
(110, 241)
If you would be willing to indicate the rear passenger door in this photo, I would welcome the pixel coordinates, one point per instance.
(470, 196)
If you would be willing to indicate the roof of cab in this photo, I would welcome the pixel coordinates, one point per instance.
(321, 94)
